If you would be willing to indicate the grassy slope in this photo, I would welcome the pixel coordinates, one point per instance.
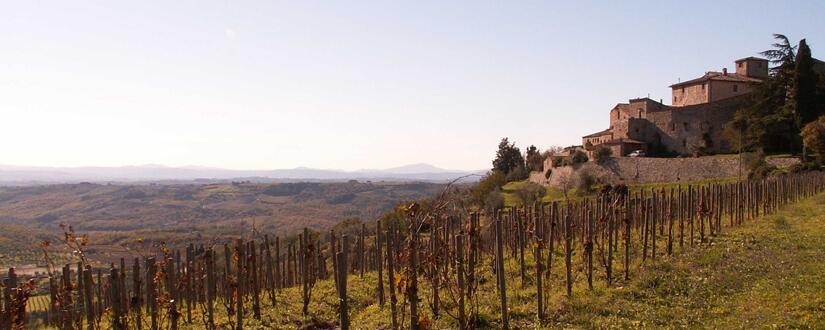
(556, 194)
(768, 273)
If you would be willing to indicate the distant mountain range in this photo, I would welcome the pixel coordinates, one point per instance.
(22, 175)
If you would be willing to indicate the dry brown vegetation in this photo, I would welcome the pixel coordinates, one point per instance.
(117, 215)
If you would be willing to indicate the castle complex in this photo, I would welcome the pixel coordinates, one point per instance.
(694, 122)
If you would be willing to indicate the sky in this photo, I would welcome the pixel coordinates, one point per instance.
(350, 84)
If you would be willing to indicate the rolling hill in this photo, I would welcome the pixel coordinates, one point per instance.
(116, 215)
(27, 175)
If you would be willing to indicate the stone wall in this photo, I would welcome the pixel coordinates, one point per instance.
(631, 170)
(752, 68)
(690, 94)
(720, 90)
(681, 129)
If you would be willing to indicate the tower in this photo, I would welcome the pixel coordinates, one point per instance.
(752, 67)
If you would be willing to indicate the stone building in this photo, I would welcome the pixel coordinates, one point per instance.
(564, 153)
(694, 122)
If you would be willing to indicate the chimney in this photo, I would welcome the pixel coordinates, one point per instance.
(724, 71)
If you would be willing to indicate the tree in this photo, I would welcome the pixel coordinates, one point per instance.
(782, 56)
(535, 159)
(804, 88)
(813, 136)
(764, 119)
(508, 157)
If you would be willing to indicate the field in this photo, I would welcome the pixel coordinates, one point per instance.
(754, 271)
(766, 274)
(116, 216)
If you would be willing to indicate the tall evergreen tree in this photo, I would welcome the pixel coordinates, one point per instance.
(765, 121)
(804, 88)
(508, 157)
(782, 56)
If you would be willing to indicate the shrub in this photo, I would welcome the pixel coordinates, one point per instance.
(578, 157)
(586, 183)
(813, 137)
(517, 174)
(558, 161)
(804, 167)
(602, 155)
(494, 201)
(530, 193)
(489, 183)
(757, 166)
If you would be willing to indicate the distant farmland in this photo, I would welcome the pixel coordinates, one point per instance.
(118, 215)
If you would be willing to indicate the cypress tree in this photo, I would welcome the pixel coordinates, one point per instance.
(804, 88)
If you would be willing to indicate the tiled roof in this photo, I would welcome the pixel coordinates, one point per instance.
(718, 76)
(600, 133)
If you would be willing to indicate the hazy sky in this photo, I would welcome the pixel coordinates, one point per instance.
(349, 84)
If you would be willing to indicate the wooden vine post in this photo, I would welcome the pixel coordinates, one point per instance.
(502, 287)
(379, 261)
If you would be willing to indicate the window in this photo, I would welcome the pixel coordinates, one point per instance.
(684, 143)
(703, 86)
(672, 127)
(637, 130)
(685, 124)
(735, 88)
(740, 64)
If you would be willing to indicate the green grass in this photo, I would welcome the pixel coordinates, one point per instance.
(555, 194)
(767, 273)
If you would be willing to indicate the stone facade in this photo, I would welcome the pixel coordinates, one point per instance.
(717, 86)
(752, 67)
(693, 123)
